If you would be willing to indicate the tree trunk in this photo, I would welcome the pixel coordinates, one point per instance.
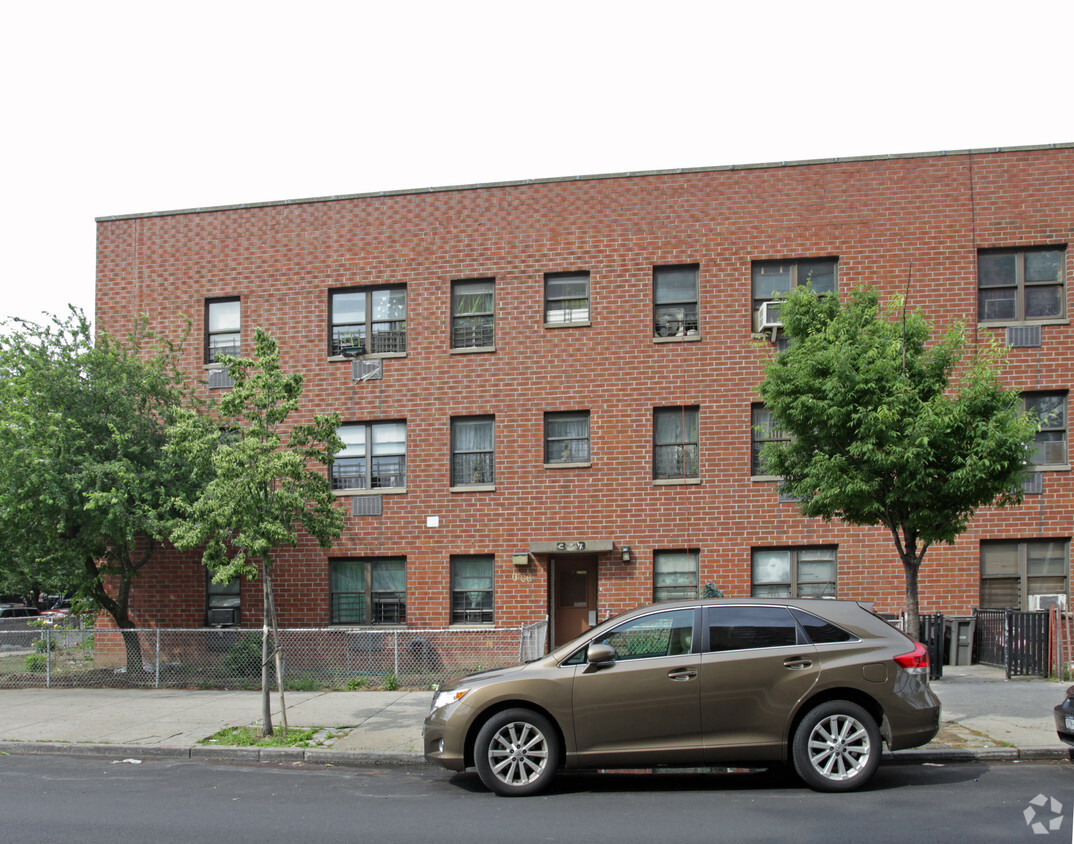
(266, 703)
(913, 613)
(133, 646)
(277, 648)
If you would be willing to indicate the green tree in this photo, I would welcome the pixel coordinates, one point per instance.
(87, 492)
(888, 429)
(263, 483)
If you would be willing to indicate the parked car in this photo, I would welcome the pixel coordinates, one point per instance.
(18, 626)
(729, 683)
(18, 612)
(1064, 719)
(57, 611)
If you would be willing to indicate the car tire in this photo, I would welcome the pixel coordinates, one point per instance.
(517, 753)
(836, 747)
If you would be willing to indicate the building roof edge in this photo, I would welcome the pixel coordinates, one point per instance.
(584, 178)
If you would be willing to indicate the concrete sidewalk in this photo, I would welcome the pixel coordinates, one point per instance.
(984, 717)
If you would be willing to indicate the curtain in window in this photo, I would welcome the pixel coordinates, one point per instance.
(675, 575)
(389, 576)
(568, 438)
(472, 434)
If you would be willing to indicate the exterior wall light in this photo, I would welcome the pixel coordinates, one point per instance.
(626, 553)
(520, 559)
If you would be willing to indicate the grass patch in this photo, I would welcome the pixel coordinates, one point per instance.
(251, 737)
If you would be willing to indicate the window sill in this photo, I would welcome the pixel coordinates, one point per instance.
(567, 465)
(473, 488)
(390, 490)
(211, 366)
(582, 323)
(684, 338)
(1051, 467)
(377, 355)
(472, 625)
(471, 350)
(1007, 323)
(676, 481)
(762, 479)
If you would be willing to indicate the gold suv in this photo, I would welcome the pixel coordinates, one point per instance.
(730, 683)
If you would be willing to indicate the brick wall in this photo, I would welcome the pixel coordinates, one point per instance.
(894, 223)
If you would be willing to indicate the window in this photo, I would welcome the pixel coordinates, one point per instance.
(775, 279)
(821, 632)
(566, 437)
(472, 451)
(747, 628)
(222, 602)
(764, 429)
(222, 328)
(1050, 443)
(1013, 574)
(794, 573)
(1015, 285)
(675, 301)
(675, 443)
(660, 634)
(373, 457)
(674, 575)
(472, 314)
(471, 590)
(370, 321)
(368, 591)
(566, 298)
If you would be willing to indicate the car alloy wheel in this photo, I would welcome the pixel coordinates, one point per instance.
(836, 747)
(517, 752)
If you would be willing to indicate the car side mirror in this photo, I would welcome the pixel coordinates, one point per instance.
(600, 655)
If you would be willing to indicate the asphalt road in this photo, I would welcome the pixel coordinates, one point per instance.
(65, 799)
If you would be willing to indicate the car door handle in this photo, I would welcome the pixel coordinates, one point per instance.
(797, 662)
(680, 674)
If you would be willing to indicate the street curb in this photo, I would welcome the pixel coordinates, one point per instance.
(356, 758)
(210, 753)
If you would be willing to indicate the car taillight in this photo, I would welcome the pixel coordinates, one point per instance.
(916, 661)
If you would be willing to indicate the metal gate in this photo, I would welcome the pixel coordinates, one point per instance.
(1013, 640)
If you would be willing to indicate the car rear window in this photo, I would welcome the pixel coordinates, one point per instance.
(821, 632)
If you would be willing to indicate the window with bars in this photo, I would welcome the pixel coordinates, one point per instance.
(223, 602)
(368, 321)
(566, 298)
(764, 429)
(472, 589)
(675, 443)
(566, 437)
(368, 590)
(473, 454)
(774, 280)
(1050, 442)
(675, 301)
(473, 314)
(675, 575)
(223, 328)
(1016, 285)
(793, 573)
(373, 457)
(1013, 573)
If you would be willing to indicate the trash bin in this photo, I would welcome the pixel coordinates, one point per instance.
(963, 629)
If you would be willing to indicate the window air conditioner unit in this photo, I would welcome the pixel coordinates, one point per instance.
(1043, 602)
(770, 316)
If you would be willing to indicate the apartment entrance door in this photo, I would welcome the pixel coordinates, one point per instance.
(574, 596)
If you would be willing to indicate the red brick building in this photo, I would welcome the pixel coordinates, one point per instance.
(550, 386)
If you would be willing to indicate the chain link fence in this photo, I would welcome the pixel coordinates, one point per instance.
(33, 655)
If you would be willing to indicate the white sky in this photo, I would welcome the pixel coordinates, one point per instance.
(120, 107)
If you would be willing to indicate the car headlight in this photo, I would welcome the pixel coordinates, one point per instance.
(442, 699)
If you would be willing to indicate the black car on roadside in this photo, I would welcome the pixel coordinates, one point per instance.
(1064, 720)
